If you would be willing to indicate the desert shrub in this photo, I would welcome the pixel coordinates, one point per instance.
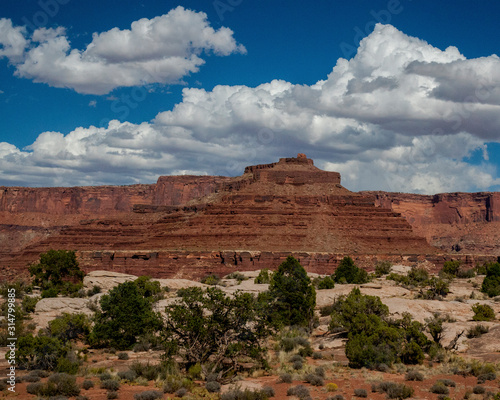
(105, 376)
(210, 280)
(466, 273)
(29, 303)
(393, 390)
(263, 277)
(69, 363)
(20, 288)
(439, 388)
(87, 384)
(149, 289)
(212, 377)
(127, 375)
(149, 395)
(291, 339)
(306, 351)
(447, 382)
(477, 368)
(40, 352)
(414, 375)
(111, 395)
(125, 315)
(348, 272)
(451, 267)
(143, 344)
(314, 380)
(418, 276)
(181, 392)
(291, 297)
(93, 291)
(297, 365)
(237, 394)
(147, 371)
(296, 357)
(35, 388)
(123, 356)
(50, 292)
(299, 391)
(435, 327)
(489, 376)
(360, 393)
(478, 389)
(268, 391)
(320, 371)
(331, 387)
(326, 310)
(61, 384)
(69, 327)
(483, 312)
(81, 397)
(194, 372)
(324, 283)
(399, 391)
(491, 283)
(346, 308)
(237, 275)
(477, 331)
(336, 397)
(213, 386)
(31, 378)
(198, 324)
(172, 384)
(110, 384)
(372, 340)
(383, 268)
(285, 378)
(398, 278)
(56, 272)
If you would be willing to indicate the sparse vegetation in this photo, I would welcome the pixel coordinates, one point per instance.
(414, 375)
(483, 312)
(348, 272)
(360, 393)
(372, 338)
(263, 277)
(211, 280)
(207, 327)
(124, 316)
(491, 283)
(477, 331)
(291, 298)
(383, 268)
(149, 395)
(57, 272)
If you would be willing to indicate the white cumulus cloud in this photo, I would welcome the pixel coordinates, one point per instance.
(159, 50)
(385, 119)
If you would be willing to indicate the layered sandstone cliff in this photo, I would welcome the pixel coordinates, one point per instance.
(459, 223)
(187, 226)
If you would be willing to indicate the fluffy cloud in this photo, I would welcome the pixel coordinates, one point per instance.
(160, 50)
(12, 41)
(386, 119)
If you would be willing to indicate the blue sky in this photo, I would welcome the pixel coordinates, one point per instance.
(208, 87)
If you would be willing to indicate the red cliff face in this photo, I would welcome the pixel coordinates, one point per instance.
(190, 225)
(460, 223)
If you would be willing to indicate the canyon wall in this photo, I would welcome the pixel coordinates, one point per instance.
(459, 223)
(194, 225)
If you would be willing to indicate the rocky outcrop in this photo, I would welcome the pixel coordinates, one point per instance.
(187, 226)
(251, 222)
(458, 223)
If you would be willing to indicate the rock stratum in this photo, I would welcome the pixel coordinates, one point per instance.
(188, 226)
